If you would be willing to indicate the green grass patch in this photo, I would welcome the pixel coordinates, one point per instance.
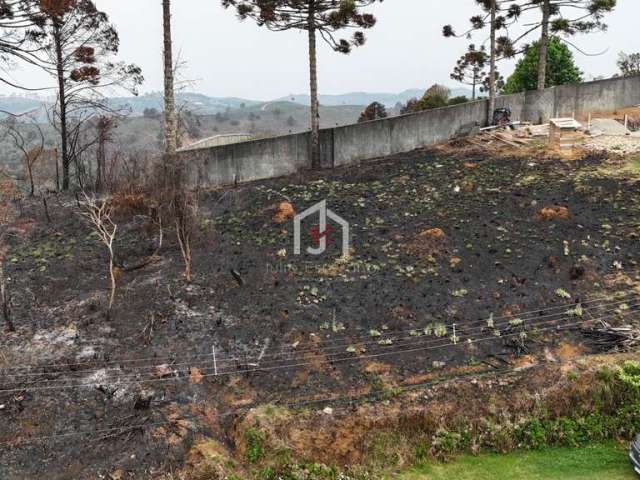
(607, 461)
(255, 445)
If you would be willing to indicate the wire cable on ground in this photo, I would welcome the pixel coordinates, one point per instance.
(417, 347)
(317, 350)
(225, 362)
(208, 354)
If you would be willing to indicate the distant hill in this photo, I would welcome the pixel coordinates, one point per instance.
(18, 105)
(364, 98)
(205, 105)
(196, 102)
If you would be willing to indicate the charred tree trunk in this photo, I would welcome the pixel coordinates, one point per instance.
(32, 187)
(314, 144)
(100, 163)
(170, 124)
(544, 45)
(476, 80)
(62, 99)
(492, 69)
(4, 299)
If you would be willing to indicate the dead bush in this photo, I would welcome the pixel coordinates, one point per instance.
(129, 204)
(553, 213)
(284, 212)
(428, 244)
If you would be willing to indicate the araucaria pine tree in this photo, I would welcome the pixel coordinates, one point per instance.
(568, 17)
(170, 122)
(497, 15)
(77, 45)
(317, 17)
(470, 68)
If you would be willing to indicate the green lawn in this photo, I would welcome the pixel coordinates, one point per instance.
(602, 462)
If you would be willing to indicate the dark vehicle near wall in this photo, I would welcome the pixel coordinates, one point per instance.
(634, 454)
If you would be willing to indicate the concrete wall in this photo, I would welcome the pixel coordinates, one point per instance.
(379, 138)
(247, 161)
(278, 156)
(219, 140)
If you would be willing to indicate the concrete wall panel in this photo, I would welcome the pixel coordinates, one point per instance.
(278, 156)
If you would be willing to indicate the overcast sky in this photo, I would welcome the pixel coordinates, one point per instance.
(405, 50)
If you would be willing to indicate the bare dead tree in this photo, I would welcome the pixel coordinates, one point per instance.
(104, 128)
(178, 205)
(31, 145)
(183, 114)
(185, 213)
(99, 214)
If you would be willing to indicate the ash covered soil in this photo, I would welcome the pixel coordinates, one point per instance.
(516, 253)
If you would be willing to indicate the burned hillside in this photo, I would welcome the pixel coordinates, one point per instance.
(459, 261)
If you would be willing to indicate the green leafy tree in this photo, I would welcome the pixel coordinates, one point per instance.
(560, 19)
(317, 17)
(458, 100)
(409, 106)
(375, 111)
(561, 68)
(435, 97)
(629, 64)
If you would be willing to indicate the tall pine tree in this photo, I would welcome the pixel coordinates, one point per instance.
(496, 15)
(317, 17)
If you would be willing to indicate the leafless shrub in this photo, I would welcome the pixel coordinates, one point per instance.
(185, 213)
(182, 208)
(99, 214)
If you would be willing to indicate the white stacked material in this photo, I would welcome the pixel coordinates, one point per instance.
(610, 127)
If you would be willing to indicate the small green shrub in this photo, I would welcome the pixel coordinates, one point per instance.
(255, 444)
(565, 431)
(444, 444)
(381, 391)
(532, 434)
(629, 374)
(421, 452)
